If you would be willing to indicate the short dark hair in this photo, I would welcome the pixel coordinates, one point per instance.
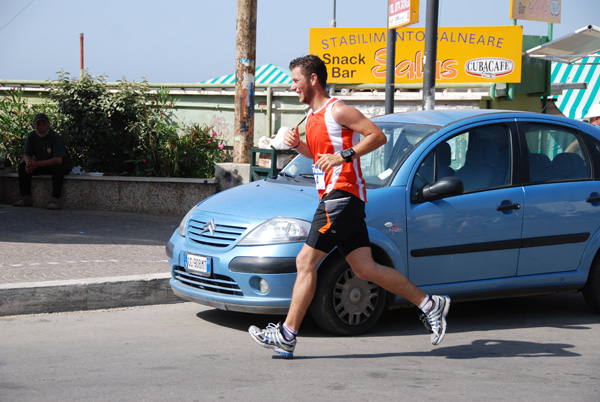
(310, 65)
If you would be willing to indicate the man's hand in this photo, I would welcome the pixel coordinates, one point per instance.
(329, 161)
(30, 166)
(292, 137)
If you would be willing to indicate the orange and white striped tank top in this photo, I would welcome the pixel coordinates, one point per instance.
(325, 136)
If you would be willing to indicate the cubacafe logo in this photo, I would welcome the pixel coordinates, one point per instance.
(489, 67)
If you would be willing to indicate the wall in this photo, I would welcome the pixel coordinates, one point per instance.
(168, 196)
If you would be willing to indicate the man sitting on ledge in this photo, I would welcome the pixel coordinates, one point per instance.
(45, 153)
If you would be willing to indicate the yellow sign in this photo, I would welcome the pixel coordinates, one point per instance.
(402, 13)
(536, 10)
(464, 54)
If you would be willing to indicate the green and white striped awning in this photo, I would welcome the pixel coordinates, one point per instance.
(574, 103)
(267, 74)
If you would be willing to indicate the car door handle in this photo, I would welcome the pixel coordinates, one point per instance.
(593, 198)
(508, 207)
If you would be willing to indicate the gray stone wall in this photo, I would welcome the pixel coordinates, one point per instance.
(169, 196)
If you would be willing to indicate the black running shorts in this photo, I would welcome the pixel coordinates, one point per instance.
(339, 221)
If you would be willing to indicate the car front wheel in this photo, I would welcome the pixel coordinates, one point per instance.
(343, 303)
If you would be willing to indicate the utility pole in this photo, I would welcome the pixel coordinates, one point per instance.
(245, 56)
(82, 68)
(390, 71)
(431, 29)
(333, 23)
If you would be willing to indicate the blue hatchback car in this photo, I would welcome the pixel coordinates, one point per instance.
(471, 203)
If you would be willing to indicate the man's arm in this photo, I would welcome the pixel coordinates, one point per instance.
(353, 119)
(31, 164)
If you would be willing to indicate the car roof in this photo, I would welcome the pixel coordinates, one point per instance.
(439, 117)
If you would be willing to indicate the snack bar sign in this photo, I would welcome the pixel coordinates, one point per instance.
(464, 54)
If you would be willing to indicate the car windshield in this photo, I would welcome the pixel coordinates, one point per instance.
(378, 166)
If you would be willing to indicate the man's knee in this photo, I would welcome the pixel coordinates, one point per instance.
(307, 262)
(21, 167)
(364, 271)
(362, 263)
(303, 263)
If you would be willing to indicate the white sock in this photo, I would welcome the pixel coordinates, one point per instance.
(289, 333)
(426, 305)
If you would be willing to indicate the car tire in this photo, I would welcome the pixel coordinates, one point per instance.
(344, 304)
(591, 290)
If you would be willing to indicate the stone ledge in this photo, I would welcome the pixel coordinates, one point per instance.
(154, 195)
(85, 294)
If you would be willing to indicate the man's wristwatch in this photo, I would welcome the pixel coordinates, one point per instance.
(347, 154)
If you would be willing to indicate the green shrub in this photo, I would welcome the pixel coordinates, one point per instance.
(16, 121)
(128, 129)
(99, 125)
(197, 151)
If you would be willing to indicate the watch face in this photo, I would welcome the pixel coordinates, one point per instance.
(347, 154)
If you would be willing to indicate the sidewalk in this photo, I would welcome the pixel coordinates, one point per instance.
(82, 259)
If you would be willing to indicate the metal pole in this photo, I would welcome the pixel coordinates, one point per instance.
(545, 100)
(81, 68)
(245, 57)
(431, 28)
(333, 20)
(390, 71)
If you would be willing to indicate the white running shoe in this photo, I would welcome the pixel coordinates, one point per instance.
(435, 320)
(272, 338)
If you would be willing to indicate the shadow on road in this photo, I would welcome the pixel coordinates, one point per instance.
(482, 348)
(551, 311)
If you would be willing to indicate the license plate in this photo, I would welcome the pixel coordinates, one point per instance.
(197, 264)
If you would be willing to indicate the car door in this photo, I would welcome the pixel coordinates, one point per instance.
(476, 235)
(559, 217)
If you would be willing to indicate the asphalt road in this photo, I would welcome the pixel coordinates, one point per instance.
(525, 349)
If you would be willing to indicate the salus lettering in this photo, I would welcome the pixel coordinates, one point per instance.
(413, 69)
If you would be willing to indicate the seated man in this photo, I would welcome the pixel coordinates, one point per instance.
(45, 153)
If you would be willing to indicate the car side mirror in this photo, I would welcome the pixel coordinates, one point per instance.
(444, 187)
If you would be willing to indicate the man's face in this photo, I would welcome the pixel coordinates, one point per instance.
(301, 86)
(42, 127)
(595, 120)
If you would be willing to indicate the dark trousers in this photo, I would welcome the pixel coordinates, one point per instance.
(57, 172)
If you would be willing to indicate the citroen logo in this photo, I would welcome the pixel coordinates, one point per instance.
(209, 227)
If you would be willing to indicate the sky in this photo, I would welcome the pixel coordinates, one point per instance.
(188, 41)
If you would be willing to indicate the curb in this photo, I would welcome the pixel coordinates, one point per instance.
(85, 294)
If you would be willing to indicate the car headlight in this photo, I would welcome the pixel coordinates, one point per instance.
(277, 230)
(183, 225)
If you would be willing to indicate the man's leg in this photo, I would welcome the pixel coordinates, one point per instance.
(435, 309)
(304, 288)
(58, 178)
(362, 263)
(24, 187)
(24, 180)
(282, 338)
